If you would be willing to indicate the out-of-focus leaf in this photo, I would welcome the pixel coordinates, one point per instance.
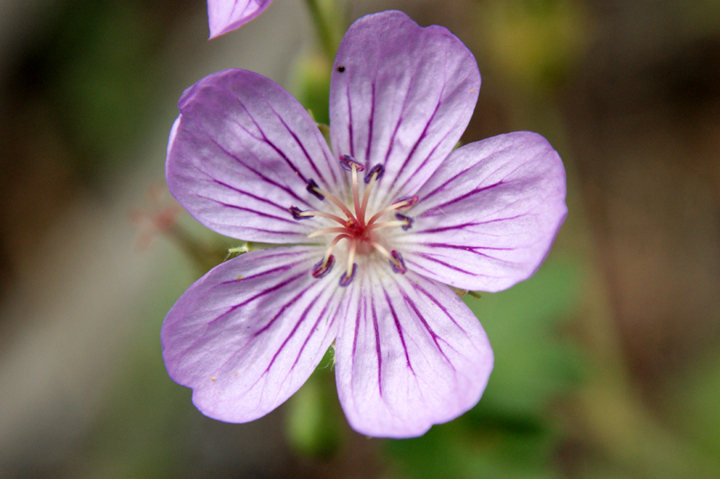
(311, 80)
(532, 361)
(313, 416)
(696, 408)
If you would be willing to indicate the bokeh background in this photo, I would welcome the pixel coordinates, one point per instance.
(607, 360)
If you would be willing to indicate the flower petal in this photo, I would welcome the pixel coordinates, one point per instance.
(249, 333)
(401, 96)
(409, 354)
(487, 218)
(227, 15)
(242, 152)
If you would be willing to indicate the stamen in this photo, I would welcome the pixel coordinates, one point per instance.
(326, 231)
(299, 214)
(397, 263)
(313, 189)
(373, 175)
(380, 249)
(386, 224)
(335, 241)
(376, 171)
(408, 221)
(347, 162)
(406, 202)
(323, 267)
(395, 205)
(351, 254)
(356, 199)
(346, 278)
(339, 203)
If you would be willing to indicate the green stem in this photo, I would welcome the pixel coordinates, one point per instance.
(327, 25)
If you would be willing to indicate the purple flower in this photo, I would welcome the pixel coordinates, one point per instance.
(228, 15)
(375, 229)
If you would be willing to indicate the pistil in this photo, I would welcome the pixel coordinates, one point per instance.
(353, 227)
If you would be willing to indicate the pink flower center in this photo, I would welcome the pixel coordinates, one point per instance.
(360, 234)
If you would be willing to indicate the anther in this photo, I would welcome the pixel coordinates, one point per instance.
(312, 188)
(397, 263)
(323, 267)
(406, 202)
(377, 170)
(408, 221)
(347, 278)
(299, 214)
(347, 162)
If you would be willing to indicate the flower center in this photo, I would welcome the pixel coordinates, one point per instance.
(359, 232)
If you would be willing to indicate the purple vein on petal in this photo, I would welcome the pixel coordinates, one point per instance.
(377, 344)
(272, 145)
(391, 144)
(321, 317)
(246, 193)
(442, 308)
(292, 333)
(285, 306)
(472, 249)
(422, 136)
(302, 146)
(371, 120)
(350, 123)
(460, 198)
(427, 158)
(455, 268)
(399, 330)
(260, 175)
(461, 173)
(249, 210)
(415, 266)
(358, 315)
(466, 225)
(267, 272)
(425, 324)
(233, 308)
(259, 295)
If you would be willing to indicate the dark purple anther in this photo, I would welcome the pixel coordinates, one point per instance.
(378, 170)
(397, 263)
(408, 200)
(347, 162)
(323, 267)
(312, 188)
(408, 221)
(346, 278)
(295, 212)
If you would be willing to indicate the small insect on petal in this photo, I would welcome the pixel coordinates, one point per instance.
(323, 267)
(347, 162)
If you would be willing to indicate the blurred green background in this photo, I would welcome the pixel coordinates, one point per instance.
(607, 363)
